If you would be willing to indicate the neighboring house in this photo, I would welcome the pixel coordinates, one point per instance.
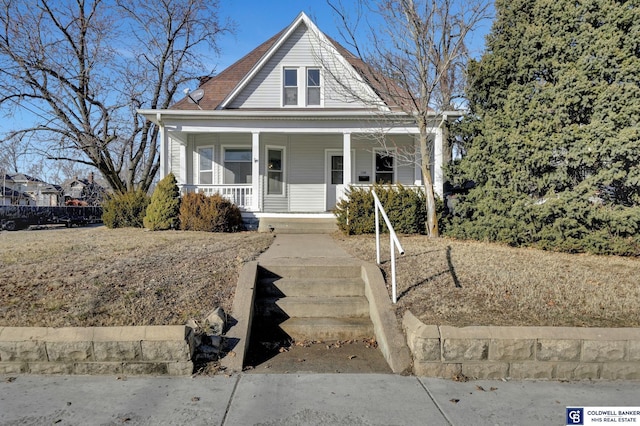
(25, 190)
(277, 133)
(79, 191)
(9, 195)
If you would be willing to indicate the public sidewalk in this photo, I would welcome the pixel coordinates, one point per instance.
(291, 399)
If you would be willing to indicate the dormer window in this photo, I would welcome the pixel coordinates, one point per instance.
(313, 86)
(302, 87)
(291, 86)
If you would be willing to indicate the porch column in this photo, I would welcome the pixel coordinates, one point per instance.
(417, 168)
(164, 146)
(438, 175)
(346, 156)
(255, 171)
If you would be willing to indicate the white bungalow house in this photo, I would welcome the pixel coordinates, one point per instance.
(279, 133)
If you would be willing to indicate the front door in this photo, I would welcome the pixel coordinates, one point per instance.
(334, 177)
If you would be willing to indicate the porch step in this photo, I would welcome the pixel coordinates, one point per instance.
(298, 225)
(310, 271)
(297, 287)
(327, 329)
(334, 307)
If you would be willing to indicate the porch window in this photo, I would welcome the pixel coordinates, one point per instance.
(291, 86)
(205, 170)
(275, 179)
(384, 167)
(337, 169)
(313, 86)
(237, 165)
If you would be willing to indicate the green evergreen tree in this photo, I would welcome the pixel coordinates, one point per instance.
(555, 134)
(164, 209)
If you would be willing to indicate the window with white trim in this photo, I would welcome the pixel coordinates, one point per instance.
(313, 86)
(384, 167)
(237, 165)
(290, 95)
(205, 165)
(275, 171)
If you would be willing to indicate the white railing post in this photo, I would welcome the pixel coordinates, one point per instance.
(393, 243)
(377, 230)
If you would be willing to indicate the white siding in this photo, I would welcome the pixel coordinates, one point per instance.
(174, 159)
(307, 170)
(307, 198)
(301, 49)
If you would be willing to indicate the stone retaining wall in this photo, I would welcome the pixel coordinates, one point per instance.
(95, 350)
(523, 352)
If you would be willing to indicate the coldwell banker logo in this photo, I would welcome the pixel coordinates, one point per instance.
(575, 416)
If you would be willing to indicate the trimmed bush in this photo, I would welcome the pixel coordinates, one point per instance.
(199, 212)
(125, 210)
(405, 207)
(163, 211)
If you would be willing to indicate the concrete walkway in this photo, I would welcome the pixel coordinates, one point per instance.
(304, 246)
(292, 399)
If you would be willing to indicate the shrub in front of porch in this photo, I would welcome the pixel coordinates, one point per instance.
(163, 211)
(125, 210)
(405, 207)
(199, 212)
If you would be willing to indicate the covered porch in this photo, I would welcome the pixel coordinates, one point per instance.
(284, 164)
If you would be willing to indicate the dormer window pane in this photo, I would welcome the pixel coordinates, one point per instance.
(313, 86)
(290, 86)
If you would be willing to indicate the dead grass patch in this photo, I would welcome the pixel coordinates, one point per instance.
(96, 276)
(463, 283)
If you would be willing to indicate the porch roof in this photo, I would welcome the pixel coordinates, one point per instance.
(159, 116)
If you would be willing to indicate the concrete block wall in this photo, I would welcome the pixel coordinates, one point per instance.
(523, 352)
(157, 350)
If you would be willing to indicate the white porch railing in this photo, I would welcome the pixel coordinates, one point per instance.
(393, 242)
(240, 195)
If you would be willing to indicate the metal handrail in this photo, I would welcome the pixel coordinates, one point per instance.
(393, 242)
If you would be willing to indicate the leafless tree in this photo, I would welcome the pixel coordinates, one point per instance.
(84, 67)
(412, 53)
(12, 151)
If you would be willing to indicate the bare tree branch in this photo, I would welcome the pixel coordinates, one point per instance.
(86, 65)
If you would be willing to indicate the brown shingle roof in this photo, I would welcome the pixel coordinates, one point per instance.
(217, 88)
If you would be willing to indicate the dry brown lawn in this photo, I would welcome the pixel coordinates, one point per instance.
(105, 277)
(463, 283)
(108, 277)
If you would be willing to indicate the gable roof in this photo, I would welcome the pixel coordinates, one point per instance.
(219, 90)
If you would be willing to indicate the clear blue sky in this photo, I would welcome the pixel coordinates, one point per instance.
(258, 20)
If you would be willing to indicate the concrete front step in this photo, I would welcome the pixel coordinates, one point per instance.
(319, 225)
(306, 270)
(324, 329)
(336, 307)
(295, 287)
